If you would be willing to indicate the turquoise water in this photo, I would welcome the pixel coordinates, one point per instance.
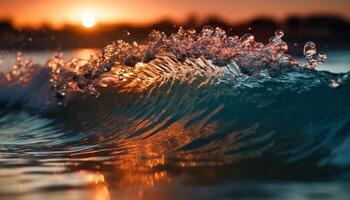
(176, 128)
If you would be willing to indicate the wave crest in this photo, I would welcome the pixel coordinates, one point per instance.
(120, 59)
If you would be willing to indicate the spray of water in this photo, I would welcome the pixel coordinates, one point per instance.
(249, 56)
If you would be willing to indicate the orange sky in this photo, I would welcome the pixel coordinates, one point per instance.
(58, 12)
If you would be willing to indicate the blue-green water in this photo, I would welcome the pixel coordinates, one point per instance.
(193, 131)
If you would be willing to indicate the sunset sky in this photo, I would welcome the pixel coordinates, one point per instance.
(58, 12)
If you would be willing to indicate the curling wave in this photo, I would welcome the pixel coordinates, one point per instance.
(185, 100)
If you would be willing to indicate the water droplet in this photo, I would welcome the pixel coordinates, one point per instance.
(60, 95)
(309, 49)
(279, 33)
(334, 84)
(207, 30)
(321, 57)
(106, 69)
(121, 77)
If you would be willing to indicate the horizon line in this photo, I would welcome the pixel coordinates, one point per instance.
(197, 19)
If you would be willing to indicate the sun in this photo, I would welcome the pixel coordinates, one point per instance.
(88, 20)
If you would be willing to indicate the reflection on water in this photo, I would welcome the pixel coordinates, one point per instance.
(160, 137)
(39, 159)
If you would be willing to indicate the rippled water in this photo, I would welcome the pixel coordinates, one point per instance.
(175, 128)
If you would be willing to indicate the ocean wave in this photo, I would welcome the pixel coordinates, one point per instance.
(186, 100)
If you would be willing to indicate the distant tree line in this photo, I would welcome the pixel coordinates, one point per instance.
(329, 32)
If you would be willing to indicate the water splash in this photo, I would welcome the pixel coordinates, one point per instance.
(205, 103)
(310, 52)
(251, 57)
(22, 71)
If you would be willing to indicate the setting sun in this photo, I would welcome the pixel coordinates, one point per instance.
(88, 20)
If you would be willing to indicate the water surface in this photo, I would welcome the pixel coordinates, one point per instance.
(192, 130)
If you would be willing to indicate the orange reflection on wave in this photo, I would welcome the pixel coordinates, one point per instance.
(101, 191)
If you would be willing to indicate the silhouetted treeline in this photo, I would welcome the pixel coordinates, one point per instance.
(330, 32)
